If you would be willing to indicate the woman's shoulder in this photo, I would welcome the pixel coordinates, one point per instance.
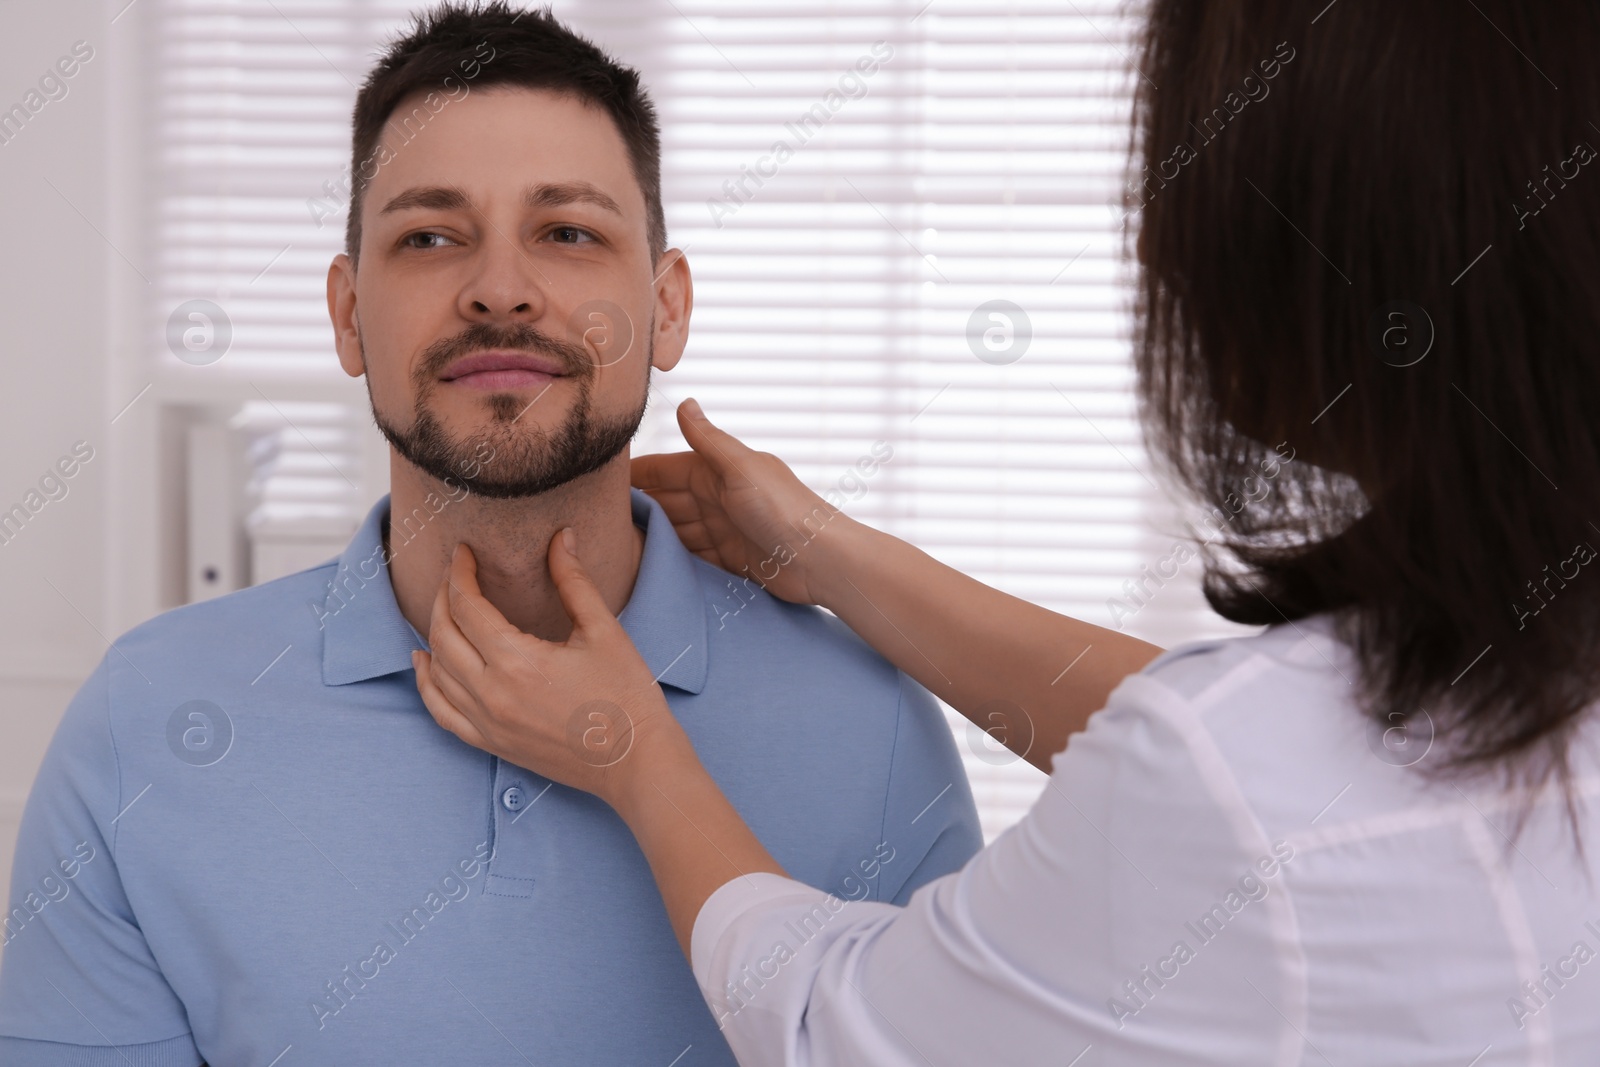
(1208, 698)
(1199, 671)
(1266, 723)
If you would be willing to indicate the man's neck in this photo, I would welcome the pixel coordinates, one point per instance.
(511, 540)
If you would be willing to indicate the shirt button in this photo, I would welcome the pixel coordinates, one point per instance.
(512, 798)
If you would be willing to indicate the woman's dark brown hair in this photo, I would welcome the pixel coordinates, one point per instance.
(1370, 241)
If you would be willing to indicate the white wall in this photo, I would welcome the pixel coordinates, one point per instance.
(57, 316)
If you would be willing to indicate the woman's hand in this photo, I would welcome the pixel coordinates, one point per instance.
(743, 510)
(1009, 666)
(585, 712)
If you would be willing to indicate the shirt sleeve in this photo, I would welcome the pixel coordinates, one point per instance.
(78, 984)
(930, 823)
(1130, 912)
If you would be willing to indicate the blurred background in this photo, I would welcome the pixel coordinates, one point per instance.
(930, 263)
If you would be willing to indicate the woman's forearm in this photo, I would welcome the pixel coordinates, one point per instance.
(984, 652)
(693, 838)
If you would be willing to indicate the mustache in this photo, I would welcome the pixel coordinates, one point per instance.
(519, 336)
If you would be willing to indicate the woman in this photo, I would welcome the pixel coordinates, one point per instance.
(1369, 298)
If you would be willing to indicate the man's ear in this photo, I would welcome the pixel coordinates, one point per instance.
(342, 312)
(674, 293)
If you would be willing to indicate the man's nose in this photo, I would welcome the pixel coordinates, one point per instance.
(507, 285)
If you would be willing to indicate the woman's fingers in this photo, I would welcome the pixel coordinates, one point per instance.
(441, 707)
(446, 638)
(456, 691)
(470, 611)
(579, 595)
(675, 502)
(663, 472)
(680, 508)
(728, 456)
(694, 535)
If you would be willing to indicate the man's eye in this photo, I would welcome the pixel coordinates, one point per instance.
(571, 235)
(411, 240)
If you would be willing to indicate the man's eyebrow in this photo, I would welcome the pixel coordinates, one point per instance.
(558, 194)
(548, 194)
(436, 197)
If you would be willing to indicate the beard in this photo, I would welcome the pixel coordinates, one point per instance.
(506, 461)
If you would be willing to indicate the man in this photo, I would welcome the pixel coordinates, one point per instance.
(296, 865)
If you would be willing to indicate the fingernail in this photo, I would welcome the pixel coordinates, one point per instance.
(569, 540)
(692, 406)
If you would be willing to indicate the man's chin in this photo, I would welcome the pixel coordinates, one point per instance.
(475, 414)
(513, 460)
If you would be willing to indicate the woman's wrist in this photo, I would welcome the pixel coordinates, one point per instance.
(835, 559)
(691, 835)
(661, 756)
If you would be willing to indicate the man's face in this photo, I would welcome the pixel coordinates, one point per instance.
(505, 304)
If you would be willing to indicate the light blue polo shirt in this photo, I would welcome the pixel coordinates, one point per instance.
(249, 842)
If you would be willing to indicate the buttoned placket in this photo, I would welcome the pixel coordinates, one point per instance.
(514, 791)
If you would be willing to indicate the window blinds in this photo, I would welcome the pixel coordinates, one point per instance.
(900, 220)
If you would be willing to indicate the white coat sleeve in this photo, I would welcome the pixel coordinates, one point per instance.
(1130, 912)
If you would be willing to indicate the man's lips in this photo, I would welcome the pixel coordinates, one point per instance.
(501, 369)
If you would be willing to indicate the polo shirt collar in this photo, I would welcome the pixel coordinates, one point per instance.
(365, 636)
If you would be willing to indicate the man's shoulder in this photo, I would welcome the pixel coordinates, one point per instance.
(201, 658)
(744, 616)
(224, 622)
